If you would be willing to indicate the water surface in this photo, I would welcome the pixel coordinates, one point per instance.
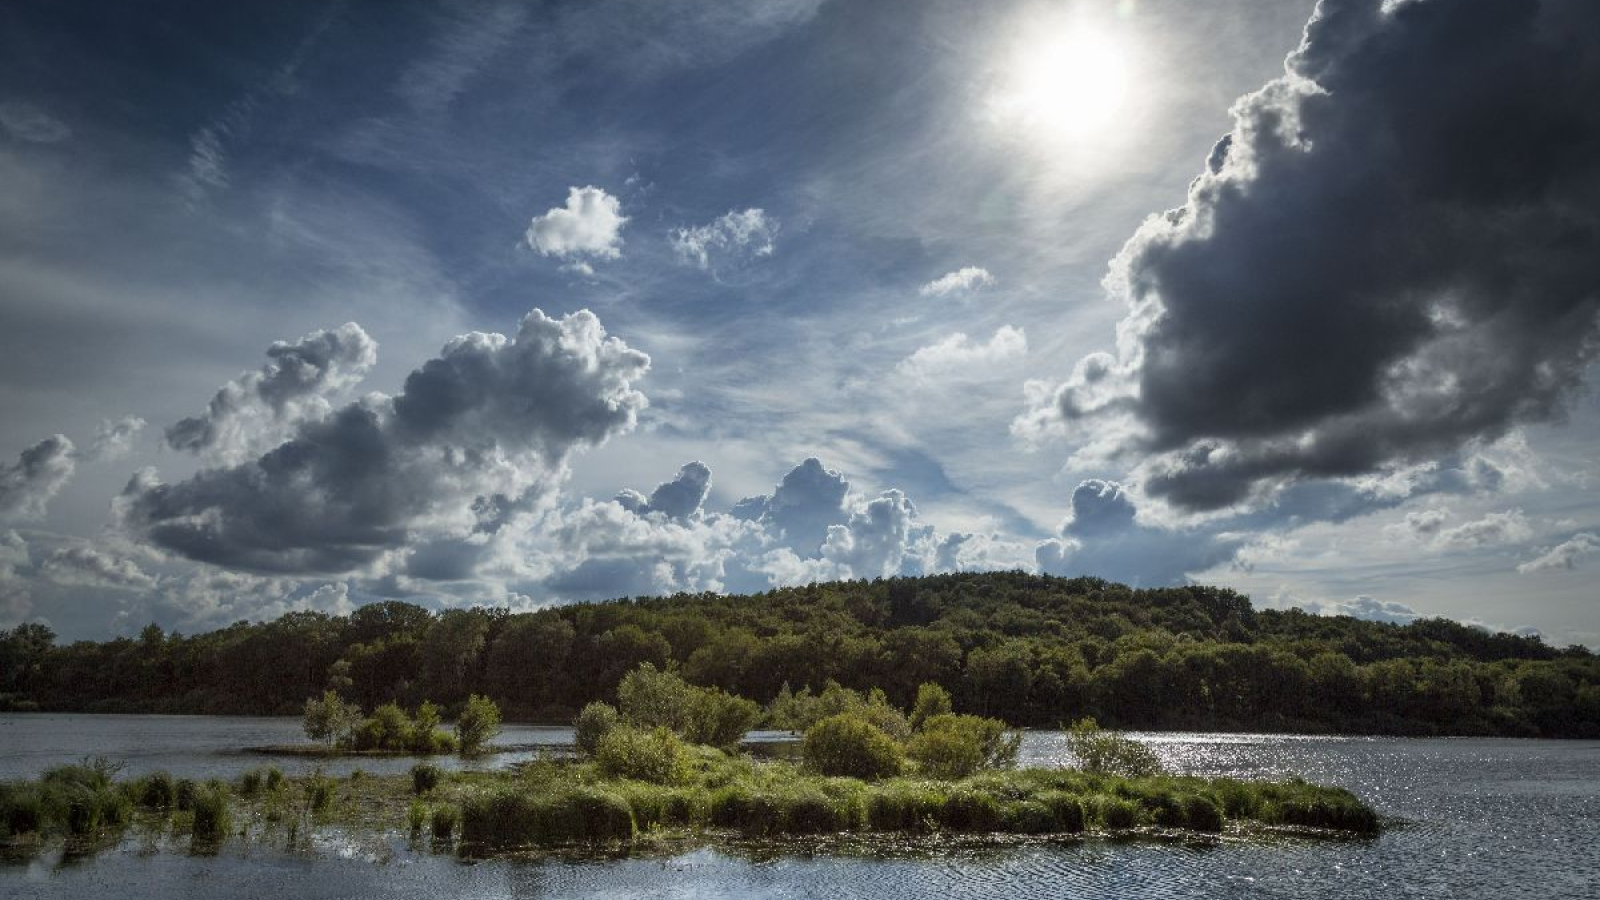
(1493, 818)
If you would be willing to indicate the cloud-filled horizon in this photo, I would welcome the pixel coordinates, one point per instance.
(525, 305)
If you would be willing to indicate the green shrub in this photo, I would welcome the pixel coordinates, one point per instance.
(22, 808)
(952, 747)
(970, 810)
(183, 792)
(1067, 809)
(509, 818)
(444, 822)
(330, 719)
(388, 728)
(1201, 813)
(849, 745)
(656, 756)
(755, 814)
(932, 700)
(1115, 813)
(719, 719)
(156, 790)
(810, 811)
(320, 791)
(212, 815)
(417, 816)
(903, 807)
(658, 806)
(250, 783)
(594, 722)
(425, 777)
(478, 724)
(274, 778)
(1028, 817)
(1104, 752)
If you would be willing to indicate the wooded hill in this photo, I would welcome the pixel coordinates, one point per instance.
(1030, 649)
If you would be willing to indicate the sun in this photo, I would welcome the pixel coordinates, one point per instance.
(1066, 83)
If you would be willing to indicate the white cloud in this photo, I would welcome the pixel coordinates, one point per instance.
(589, 225)
(1564, 555)
(27, 486)
(960, 281)
(731, 236)
(1494, 528)
(958, 355)
(114, 439)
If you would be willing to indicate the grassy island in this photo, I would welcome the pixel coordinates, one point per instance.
(665, 763)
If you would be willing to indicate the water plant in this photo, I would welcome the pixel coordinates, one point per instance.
(212, 813)
(425, 777)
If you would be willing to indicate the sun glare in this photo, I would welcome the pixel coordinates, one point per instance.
(1069, 83)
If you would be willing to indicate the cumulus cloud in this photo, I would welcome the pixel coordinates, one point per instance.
(1392, 256)
(479, 434)
(679, 498)
(27, 486)
(27, 122)
(259, 409)
(15, 597)
(961, 281)
(1103, 537)
(590, 225)
(1494, 528)
(959, 356)
(810, 498)
(1564, 555)
(728, 238)
(84, 564)
(1364, 607)
(114, 439)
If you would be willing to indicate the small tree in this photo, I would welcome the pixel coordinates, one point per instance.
(932, 700)
(593, 723)
(648, 697)
(848, 744)
(719, 719)
(656, 755)
(330, 719)
(1110, 753)
(952, 747)
(478, 724)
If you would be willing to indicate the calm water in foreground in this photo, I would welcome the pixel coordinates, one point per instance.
(1487, 818)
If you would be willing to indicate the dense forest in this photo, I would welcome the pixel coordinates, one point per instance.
(1029, 649)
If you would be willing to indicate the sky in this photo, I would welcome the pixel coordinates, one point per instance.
(304, 306)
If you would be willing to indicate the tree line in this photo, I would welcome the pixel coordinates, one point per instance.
(1028, 649)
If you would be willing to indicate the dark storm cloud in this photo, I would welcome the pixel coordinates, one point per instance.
(27, 485)
(294, 384)
(484, 427)
(1395, 253)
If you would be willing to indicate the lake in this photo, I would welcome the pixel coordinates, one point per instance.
(1492, 817)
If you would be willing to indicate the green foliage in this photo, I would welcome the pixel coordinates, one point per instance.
(22, 809)
(932, 700)
(1022, 648)
(1115, 813)
(515, 817)
(213, 817)
(656, 756)
(593, 723)
(274, 778)
(971, 810)
(903, 806)
(444, 822)
(1067, 810)
(425, 777)
(478, 724)
(651, 698)
(390, 728)
(950, 746)
(250, 783)
(849, 745)
(417, 817)
(183, 793)
(1109, 753)
(156, 790)
(320, 791)
(330, 719)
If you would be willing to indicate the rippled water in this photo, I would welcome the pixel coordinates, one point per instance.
(1488, 818)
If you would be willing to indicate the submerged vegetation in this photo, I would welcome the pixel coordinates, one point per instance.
(1027, 649)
